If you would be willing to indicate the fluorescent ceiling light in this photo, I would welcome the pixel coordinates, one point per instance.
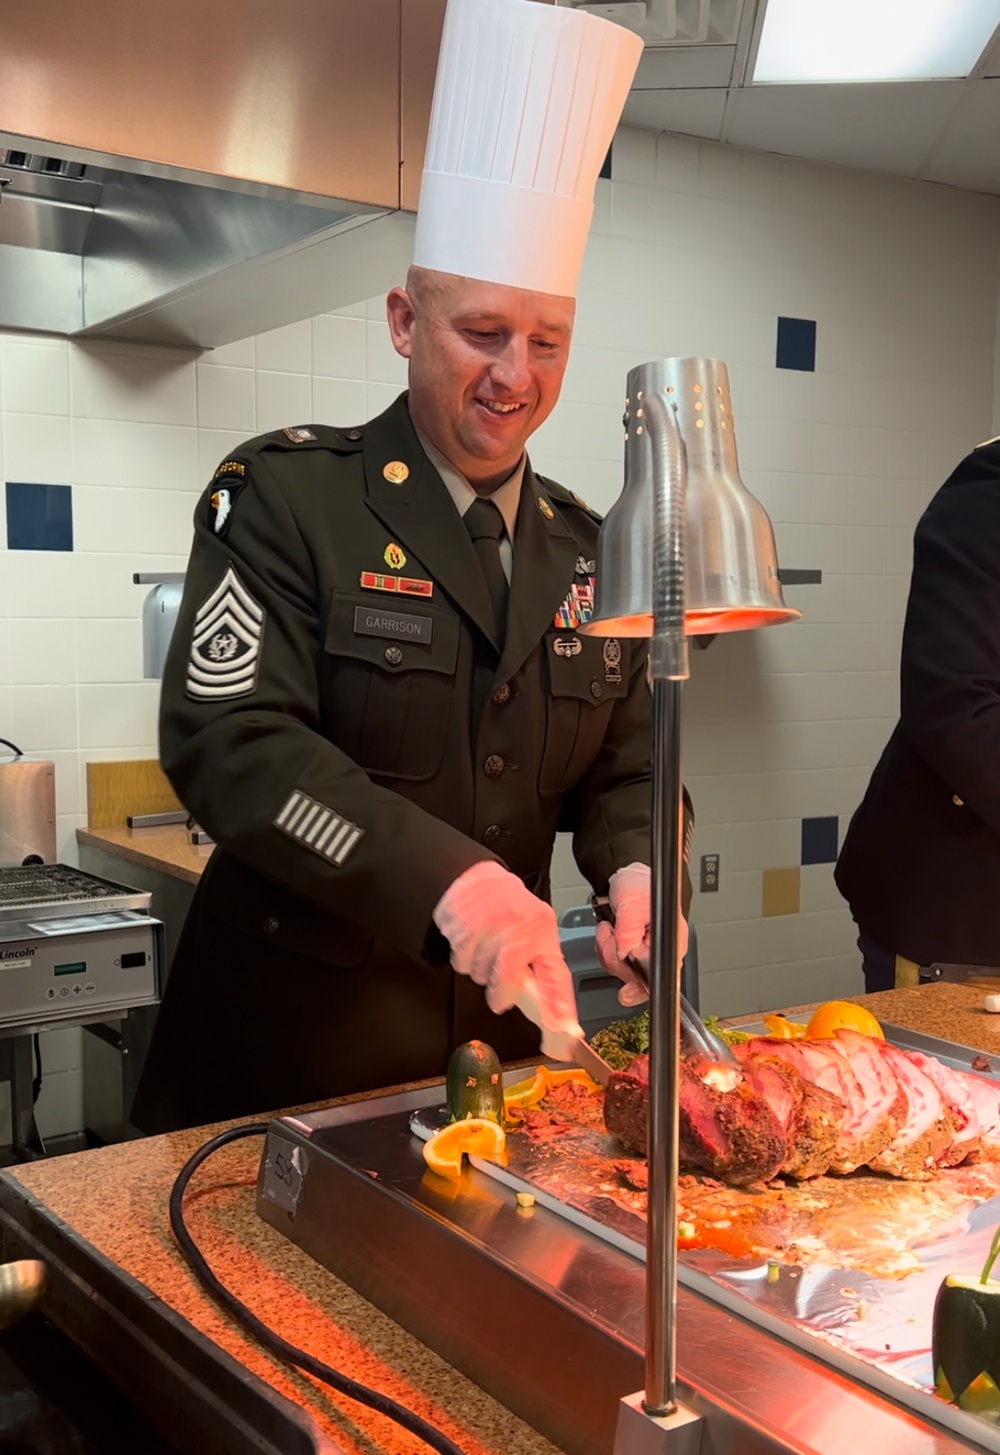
(872, 40)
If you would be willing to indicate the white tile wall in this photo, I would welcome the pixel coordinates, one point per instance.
(695, 248)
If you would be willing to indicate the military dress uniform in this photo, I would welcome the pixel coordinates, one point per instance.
(920, 865)
(316, 719)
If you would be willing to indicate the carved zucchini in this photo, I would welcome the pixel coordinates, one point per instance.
(474, 1084)
(966, 1343)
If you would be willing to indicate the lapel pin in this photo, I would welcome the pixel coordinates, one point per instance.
(545, 508)
(394, 556)
(396, 472)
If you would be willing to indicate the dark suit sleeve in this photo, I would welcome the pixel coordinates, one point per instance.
(609, 812)
(950, 669)
(243, 745)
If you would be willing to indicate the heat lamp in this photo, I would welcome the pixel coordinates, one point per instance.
(686, 550)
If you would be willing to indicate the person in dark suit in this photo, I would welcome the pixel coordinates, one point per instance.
(376, 699)
(920, 865)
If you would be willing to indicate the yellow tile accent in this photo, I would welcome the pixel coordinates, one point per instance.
(781, 891)
(114, 790)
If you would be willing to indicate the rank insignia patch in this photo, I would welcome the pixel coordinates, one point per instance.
(298, 434)
(395, 472)
(225, 644)
(567, 647)
(394, 556)
(612, 661)
(578, 607)
(404, 585)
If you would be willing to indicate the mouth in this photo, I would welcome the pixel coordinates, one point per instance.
(499, 409)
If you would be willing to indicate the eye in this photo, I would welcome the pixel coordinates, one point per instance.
(481, 336)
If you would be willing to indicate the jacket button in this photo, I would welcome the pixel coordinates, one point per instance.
(501, 695)
(493, 834)
(393, 656)
(493, 766)
(269, 926)
(958, 802)
(596, 689)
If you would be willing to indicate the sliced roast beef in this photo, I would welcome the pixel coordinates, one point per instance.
(859, 1135)
(928, 1131)
(986, 1101)
(733, 1135)
(960, 1104)
(809, 1117)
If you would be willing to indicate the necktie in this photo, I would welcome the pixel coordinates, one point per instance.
(484, 523)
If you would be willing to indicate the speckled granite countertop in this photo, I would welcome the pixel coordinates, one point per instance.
(168, 849)
(116, 1198)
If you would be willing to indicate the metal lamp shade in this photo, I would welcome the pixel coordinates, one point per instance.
(731, 565)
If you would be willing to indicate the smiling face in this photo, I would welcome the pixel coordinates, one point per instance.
(486, 363)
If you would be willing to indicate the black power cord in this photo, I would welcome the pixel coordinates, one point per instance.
(6, 742)
(266, 1336)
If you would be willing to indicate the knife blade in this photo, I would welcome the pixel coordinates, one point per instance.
(561, 1045)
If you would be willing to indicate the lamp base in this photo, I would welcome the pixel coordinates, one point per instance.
(641, 1434)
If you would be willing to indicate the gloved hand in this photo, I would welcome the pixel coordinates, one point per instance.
(628, 937)
(506, 939)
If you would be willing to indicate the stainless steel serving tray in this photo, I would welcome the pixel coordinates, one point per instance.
(544, 1307)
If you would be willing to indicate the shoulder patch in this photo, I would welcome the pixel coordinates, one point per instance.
(225, 642)
(227, 482)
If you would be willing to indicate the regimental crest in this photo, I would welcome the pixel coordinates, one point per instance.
(225, 643)
(578, 607)
(299, 434)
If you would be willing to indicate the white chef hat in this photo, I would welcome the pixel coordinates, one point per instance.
(526, 102)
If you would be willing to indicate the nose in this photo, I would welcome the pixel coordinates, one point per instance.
(511, 366)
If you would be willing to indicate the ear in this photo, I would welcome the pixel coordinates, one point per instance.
(401, 316)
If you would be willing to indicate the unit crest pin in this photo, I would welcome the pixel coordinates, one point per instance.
(396, 472)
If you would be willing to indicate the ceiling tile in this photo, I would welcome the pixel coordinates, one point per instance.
(693, 113)
(967, 154)
(661, 67)
(886, 128)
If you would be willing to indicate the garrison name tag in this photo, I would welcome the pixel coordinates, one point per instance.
(370, 622)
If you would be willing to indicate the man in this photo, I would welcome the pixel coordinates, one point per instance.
(376, 700)
(920, 866)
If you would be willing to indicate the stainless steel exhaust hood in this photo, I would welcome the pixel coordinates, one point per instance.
(195, 173)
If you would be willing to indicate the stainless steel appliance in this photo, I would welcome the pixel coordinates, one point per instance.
(72, 948)
(27, 811)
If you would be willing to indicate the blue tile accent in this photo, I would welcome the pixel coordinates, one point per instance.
(797, 344)
(39, 517)
(819, 840)
(606, 168)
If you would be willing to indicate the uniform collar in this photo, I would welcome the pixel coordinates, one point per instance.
(505, 497)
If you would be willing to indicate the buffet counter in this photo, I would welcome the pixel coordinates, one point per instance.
(122, 1290)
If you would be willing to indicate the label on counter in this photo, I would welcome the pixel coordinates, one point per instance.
(16, 959)
(284, 1172)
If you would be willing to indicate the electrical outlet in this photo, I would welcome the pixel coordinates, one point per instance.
(709, 874)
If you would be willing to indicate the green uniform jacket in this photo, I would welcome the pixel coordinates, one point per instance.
(320, 729)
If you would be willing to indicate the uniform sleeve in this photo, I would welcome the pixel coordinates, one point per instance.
(241, 733)
(950, 667)
(609, 812)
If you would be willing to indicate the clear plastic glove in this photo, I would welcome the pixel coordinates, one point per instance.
(628, 937)
(507, 940)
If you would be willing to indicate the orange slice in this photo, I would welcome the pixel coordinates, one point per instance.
(527, 1093)
(476, 1137)
(842, 1014)
(782, 1029)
